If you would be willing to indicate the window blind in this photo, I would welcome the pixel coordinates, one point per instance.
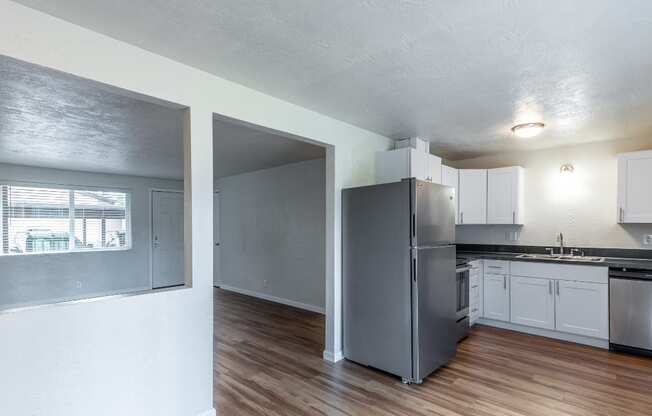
(38, 219)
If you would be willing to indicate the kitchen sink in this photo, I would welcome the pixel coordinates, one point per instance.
(538, 257)
(558, 257)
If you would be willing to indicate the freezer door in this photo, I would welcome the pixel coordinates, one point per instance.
(376, 277)
(434, 302)
(433, 214)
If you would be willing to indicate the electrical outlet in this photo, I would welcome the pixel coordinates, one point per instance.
(647, 239)
(79, 284)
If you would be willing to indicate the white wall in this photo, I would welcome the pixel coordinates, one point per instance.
(152, 354)
(272, 236)
(583, 206)
(37, 279)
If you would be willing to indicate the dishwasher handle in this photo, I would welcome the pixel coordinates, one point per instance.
(630, 274)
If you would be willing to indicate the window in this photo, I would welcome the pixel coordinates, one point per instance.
(37, 219)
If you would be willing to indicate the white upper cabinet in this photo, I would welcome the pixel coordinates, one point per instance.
(395, 165)
(634, 190)
(505, 195)
(434, 167)
(450, 177)
(472, 195)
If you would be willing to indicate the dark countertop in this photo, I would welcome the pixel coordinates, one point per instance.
(616, 262)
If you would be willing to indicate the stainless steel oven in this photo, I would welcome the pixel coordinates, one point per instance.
(462, 279)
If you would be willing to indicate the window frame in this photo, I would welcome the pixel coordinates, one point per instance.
(71, 217)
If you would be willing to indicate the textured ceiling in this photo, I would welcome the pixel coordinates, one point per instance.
(55, 120)
(239, 149)
(459, 73)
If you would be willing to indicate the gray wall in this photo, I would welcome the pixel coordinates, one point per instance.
(273, 232)
(43, 278)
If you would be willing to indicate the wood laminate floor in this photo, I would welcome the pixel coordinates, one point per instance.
(268, 362)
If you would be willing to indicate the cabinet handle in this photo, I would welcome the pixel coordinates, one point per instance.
(504, 282)
(557, 282)
(621, 214)
(513, 217)
(550, 287)
(461, 217)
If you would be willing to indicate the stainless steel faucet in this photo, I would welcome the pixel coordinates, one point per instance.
(560, 239)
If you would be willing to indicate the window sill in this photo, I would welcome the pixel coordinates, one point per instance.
(76, 251)
(90, 299)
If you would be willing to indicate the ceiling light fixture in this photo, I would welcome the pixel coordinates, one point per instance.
(566, 169)
(526, 130)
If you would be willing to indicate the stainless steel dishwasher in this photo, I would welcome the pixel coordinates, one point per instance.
(630, 310)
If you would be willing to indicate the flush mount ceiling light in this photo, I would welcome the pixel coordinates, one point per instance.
(526, 130)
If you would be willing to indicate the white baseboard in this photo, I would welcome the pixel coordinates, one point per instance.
(271, 298)
(333, 357)
(210, 412)
(578, 339)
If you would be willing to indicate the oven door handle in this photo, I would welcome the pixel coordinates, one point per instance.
(463, 269)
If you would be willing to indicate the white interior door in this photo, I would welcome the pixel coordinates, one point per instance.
(216, 238)
(167, 239)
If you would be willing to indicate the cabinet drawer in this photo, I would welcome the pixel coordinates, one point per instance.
(496, 266)
(570, 272)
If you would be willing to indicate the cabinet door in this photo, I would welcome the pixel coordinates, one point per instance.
(393, 165)
(634, 191)
(496, 297)
(504, 195)
(449, 177)
(473, 196)
(582, 308)
(434, 166)
(532, 302)
(419, 165)
(476, 291)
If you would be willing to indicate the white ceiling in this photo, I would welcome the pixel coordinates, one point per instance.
(239, 148)
(460, 73)
(56, 120)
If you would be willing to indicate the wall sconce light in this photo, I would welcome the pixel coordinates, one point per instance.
(566, 169)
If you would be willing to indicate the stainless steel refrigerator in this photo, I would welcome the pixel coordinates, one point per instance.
(398, 266)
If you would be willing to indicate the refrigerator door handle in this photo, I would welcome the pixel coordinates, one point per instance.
(414, 269)
(414, 225)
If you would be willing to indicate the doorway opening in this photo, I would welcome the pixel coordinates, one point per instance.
(269, 245)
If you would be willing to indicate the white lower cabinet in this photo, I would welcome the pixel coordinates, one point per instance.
(559, 298)
(496, 297)
(582, 308)
(532, 302)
